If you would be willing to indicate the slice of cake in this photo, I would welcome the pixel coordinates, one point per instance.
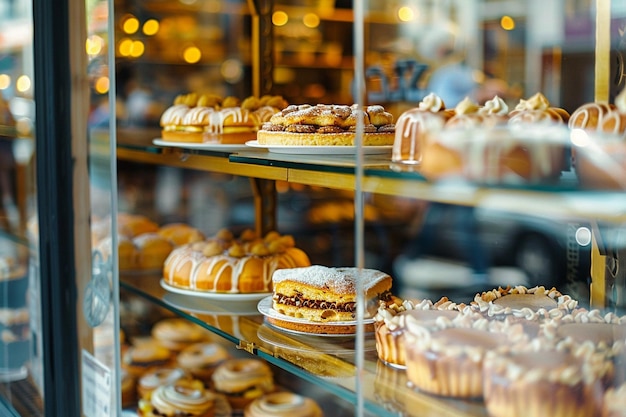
(322, 294)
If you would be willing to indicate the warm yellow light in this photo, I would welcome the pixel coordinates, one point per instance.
(232, 71)
(406, 14)
(130, 25)
(311, 20)
(102, 85)
(192, 54)
(125, 46)
(94, 45)
(507, 23)
(137, 49)
(23, 83)
(151, 27)
(280, 18)
(5, 81)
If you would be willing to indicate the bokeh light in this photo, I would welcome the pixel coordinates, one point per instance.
(280, 18)
(507, 23)
(130, 24)
(5, 81)
(311, 20)
(406, 14)
(102, 85)
(192, 54)
(150, 27)
(23, 83)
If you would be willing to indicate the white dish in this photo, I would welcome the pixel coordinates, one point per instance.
(319, 150)
(202, 146)
(265, 308)
(217, 296)
(211, 307)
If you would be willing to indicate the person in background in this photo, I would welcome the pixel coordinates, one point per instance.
(452, 79)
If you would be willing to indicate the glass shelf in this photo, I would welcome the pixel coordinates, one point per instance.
(328, 362)
(563, 199)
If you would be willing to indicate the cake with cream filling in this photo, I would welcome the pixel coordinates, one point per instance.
(321, 294)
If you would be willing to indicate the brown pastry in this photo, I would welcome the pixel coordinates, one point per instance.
(327, 125)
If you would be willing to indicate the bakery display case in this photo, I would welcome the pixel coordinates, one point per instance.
(197, 239)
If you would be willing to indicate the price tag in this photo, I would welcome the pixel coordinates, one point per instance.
(96, 381)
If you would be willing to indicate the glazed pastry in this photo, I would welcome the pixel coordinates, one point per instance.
(152, 250)
(157, 377)
(209, 119)
(142, 357)
(327, 125)
(176, 333)
(414, 126)
(131, 225)
(201, 359)
(184, 398)
(180, 233)
(599, 151)
(243, 380)
(225, 264)
(283, 404)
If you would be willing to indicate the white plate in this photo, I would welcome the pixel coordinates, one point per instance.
(211, 307)
(265, 308)
(202, 146)
(217, 296)
(319, 150)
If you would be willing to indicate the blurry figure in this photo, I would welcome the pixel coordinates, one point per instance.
(136, 105)
(8, 209)
(453, 79)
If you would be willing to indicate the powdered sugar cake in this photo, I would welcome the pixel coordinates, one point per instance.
(321, 295)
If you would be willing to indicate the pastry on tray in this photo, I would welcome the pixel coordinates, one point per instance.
(225, 264)
(202, 118)
(327, 125)
(319, 295)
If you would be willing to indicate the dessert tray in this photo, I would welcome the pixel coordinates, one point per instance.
(319, 150)
(343, 328)
(219, 147)
(216, 296)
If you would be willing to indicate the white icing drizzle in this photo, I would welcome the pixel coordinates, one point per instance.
(412, 128)
(216, 266)
(174, 115)
(198, 115)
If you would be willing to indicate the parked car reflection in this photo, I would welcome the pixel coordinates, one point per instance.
(547, 251)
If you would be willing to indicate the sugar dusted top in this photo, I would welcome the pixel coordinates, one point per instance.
(339, 280)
